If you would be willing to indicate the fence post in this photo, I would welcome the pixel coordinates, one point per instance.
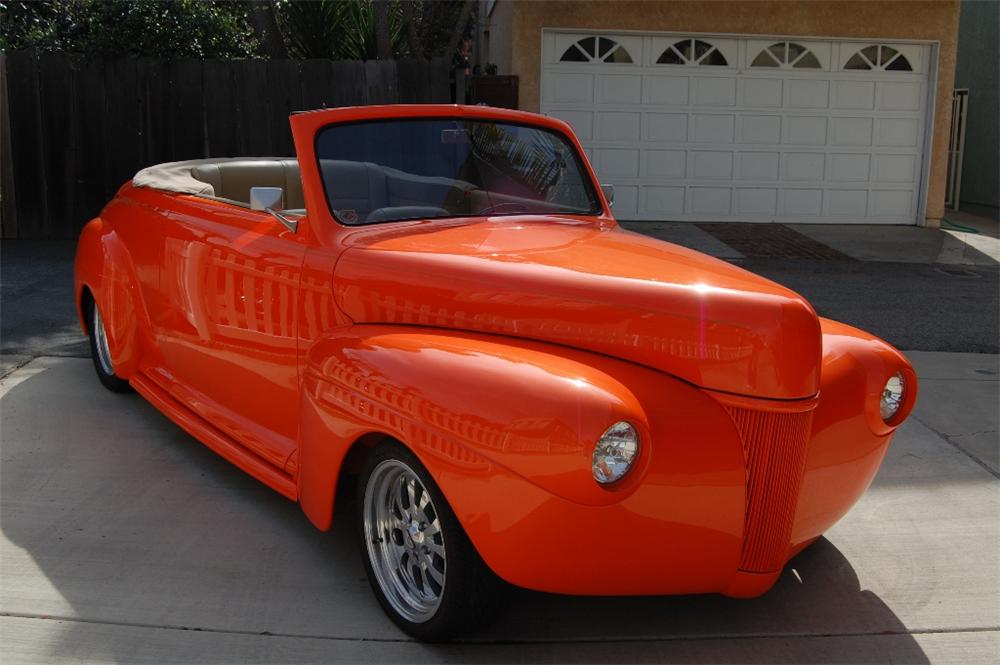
(460, 86)
(8, 200)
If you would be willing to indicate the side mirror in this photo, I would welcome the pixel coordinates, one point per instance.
(271, 199)
(609, 194)
(266, 198)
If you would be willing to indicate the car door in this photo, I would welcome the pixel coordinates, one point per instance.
(230, 279)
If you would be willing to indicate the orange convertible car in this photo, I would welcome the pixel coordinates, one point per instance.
(437, 301)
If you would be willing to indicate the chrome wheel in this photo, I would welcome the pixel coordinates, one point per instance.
(404, 540)
(101, 344)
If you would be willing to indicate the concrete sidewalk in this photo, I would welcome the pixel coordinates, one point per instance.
(124, 540)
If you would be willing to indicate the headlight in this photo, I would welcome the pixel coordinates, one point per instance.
(615, 452)
(892, 397)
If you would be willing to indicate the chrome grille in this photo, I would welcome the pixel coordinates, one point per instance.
(774, 447)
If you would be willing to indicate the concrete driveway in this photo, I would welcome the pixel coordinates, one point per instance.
(124, 540)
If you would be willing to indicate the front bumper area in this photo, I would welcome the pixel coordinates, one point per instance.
(727, 497)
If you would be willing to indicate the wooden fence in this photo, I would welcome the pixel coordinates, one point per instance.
(74, 128)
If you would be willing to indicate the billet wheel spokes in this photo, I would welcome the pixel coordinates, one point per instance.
(101, 337)
(404, 540)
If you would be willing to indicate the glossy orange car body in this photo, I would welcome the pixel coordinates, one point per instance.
(498, 350)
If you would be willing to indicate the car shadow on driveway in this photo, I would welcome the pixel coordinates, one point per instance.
(129, 541)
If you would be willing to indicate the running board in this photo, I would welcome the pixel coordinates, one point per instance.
(213, 437)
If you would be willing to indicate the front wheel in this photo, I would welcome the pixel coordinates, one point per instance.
(424, 571)
(101, 353)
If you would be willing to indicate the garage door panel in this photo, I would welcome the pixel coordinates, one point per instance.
(802, 202)
(619, 89)
(569, 88)
(665, 200)
(804, 166)
(849, 167)
(665, 164)
(895, 168)
(667, 127)
(902, 132)
(796, 135)
(846, 202)
(892, 203)
(761, 129)
(757, 165)
(710, 200)
(618, 125)
(756, 201)
(665, 90)
(807, 94)
(617, 163)
(626, 199)
(711, 128)
(851, 131)
(804, 130)
(904, 96)
(853, 95)
(710, 165)
(760, 92)
(714, 91)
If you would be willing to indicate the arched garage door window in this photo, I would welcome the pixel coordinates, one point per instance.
(787, 55)
(596, 49)
(879, 57)
(692, 52)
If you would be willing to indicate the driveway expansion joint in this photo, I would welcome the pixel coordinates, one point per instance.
(594, 640)
(948, 439)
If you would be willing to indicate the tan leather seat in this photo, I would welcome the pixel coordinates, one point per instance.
(232, 180)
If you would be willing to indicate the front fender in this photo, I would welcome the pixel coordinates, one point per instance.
(849, 439)
(507, 427)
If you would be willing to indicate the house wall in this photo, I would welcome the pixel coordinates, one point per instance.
(976, 69)
(930, 20)
(494, 34)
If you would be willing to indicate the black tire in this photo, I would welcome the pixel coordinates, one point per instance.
(470, 597)
(104, 368)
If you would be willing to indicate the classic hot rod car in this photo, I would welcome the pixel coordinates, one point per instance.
(437, 301)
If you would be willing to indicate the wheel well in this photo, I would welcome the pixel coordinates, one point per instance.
(86, 302)
(355, 458)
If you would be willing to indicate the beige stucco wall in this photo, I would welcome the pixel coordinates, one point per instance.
(498, 23)
(869, 19)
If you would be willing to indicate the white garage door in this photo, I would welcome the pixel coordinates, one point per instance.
(746, 129)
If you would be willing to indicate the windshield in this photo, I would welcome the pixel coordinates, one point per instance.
(384, 171)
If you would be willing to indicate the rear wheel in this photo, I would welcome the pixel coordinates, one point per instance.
(101, 353)
(424, 571)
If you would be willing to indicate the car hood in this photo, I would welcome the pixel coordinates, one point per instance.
(590, 285)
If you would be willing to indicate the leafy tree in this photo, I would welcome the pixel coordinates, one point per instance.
(369, 29)
(185, 28)
(335, 29)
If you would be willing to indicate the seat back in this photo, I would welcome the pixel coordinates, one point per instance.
(356, 188)
(232, 180)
